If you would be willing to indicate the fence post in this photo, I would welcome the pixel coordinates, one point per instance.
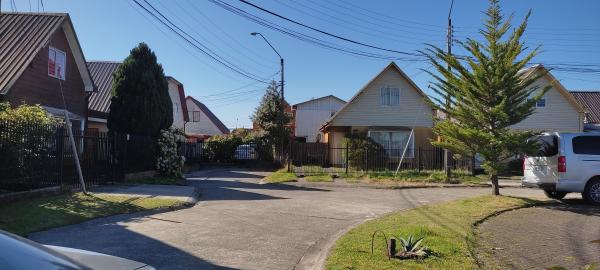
(60, 155)
(347, 159)
(289, 154)
(419, 159)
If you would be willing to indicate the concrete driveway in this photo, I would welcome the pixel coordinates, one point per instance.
(240, 224)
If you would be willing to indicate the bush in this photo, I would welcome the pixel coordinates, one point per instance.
(169, 162)
(360, 148)
(26, 134)
(222, 147)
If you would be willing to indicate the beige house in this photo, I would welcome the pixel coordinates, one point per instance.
(558, 110)
(385, 110)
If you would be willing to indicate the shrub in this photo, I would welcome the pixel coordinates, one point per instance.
(169, 161)
(360, 148)
(222, 147)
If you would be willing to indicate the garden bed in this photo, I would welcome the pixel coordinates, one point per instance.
(447, 227)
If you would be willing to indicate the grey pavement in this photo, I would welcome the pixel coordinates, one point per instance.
(183, 193)
(241, 224)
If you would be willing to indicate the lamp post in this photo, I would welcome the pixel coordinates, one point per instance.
(282, 83)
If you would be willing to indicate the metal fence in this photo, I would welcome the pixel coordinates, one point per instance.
(36, 155)
(316, 158)
(219, 152)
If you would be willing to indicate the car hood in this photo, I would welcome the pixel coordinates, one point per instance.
(95, 260)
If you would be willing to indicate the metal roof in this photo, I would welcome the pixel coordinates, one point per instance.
(102, 75)
(22, 35)
(591, 102)
(213, 118)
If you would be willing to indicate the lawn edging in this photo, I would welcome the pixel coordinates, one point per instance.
(449, 229)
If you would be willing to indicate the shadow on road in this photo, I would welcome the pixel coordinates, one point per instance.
(109, 237)
(578, 206)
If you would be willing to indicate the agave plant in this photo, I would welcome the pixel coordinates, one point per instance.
(411, 248)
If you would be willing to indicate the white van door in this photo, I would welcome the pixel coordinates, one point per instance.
(542, 167)
(586, 152)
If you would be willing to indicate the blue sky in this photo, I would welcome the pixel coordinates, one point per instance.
(569, 32)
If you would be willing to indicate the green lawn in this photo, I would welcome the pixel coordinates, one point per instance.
(158, 180)
(318, 178)
(280, 176)
(447, 227)
(29, 216)
(458, 177)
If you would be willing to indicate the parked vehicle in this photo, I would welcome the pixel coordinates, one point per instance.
(19, 253)
(564, 163)
(245, 151)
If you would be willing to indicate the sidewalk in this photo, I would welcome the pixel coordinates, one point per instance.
(183, 193)
(340, 182)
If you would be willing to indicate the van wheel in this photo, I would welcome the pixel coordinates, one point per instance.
(592, 191)
(553, 194)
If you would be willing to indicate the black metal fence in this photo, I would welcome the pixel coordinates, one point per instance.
(316, 158)
(36, 155)
(219, 152)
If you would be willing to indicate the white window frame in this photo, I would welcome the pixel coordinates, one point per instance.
(389, 95)
(410, 153)
(52, 56)
(537, 105)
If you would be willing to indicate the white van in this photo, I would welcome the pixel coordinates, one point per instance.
(565, 162)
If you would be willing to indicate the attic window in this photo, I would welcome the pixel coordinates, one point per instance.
(389, 96)
(57, 63)
(541, 103)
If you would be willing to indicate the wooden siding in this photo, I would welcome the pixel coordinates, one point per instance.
(366, 110)
(558, 115)
(311, 115)
(34, 86)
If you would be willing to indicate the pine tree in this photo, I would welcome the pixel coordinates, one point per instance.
(271, 118)
(489, 92)
(140, 102)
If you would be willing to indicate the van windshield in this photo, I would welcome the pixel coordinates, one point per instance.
(547, 145)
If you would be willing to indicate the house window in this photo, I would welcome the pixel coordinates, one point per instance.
(196, 116)
(394, 142)
(541, 103)
(389, 96)
(175, 108)
(57, 63)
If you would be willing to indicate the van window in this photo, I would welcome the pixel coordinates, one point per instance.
(547, 145)
(586, 145)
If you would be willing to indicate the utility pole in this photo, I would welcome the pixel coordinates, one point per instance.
(447, 154)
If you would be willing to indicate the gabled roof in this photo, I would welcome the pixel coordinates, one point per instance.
(561, 89)
(181, 92)
(390, 65)
(315, 99)
(102, 74)
(23, 35)
(591, 101)
(213, 118)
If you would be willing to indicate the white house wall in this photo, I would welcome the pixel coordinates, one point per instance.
(178, 119)
(204, 126)
(310, 116)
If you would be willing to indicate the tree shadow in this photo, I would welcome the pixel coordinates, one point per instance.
(577, 206)
(110, 236)
(237, 190)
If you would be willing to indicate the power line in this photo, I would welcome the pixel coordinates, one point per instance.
(325, 32)
(201, 48)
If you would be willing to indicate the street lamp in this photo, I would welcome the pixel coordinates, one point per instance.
(282, 92)
(280, 60)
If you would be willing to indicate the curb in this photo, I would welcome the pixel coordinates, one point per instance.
(380, 186)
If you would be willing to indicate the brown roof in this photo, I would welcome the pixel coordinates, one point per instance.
(102, 74)
(22, 36)
(591, 102)
(213, 118)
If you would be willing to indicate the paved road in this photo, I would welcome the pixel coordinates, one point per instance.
(240, 224)
(558, 235)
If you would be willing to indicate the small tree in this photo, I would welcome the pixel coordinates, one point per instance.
(488, 93)
(140, 102)
(271, 118)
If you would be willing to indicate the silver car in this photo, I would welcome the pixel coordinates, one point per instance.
(19, 253)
